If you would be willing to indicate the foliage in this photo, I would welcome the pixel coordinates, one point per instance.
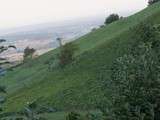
(94, 29)
(150, 2)
(93, 116)
(28, 53)
(135, 81)
(87, 116)
(3, 89)
(111, 18)
(31, 114)
(73, 116)
(96, 53)
(67, 52)
(3, 61)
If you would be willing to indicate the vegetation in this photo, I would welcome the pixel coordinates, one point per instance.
(67, 52)
(73, 116)
(28, 53)
(80, 85)
(150, 2)
(135, 79)
(112, 18)
(84, 116)
(3, 61)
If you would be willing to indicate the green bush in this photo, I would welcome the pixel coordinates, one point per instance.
(112, 18)
(73, 116)
(67, 52)
(150, 2)
(93, 116)
(28, 53)
(134, 85)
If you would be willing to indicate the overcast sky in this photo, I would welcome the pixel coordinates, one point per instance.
(15, 13)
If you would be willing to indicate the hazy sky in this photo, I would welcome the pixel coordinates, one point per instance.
(14, 13)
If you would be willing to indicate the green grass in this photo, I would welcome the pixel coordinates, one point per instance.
(78, 86)
(55, 116)
(62, 115)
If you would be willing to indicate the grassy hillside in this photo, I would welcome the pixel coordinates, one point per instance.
(78, 85)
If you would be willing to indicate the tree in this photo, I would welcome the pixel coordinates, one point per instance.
(67, 52)
(28, 53)
(134, 84)
(111, 18)
(150, 2)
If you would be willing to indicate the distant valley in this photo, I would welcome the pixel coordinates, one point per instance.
(42, 37)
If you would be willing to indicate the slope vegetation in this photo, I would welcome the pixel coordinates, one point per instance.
(78, 85)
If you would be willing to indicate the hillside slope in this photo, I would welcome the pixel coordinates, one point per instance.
(79, 84)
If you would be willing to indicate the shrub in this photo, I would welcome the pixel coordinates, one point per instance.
(3, 89)
(111, 18)
(134, 84)
(150, 2)
(102, 26)
(73, 116)
(66, 55)
(28, 53)
(93, 116)
(94, 29)
(20, 118)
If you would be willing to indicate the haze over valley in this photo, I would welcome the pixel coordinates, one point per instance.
(42, 37)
